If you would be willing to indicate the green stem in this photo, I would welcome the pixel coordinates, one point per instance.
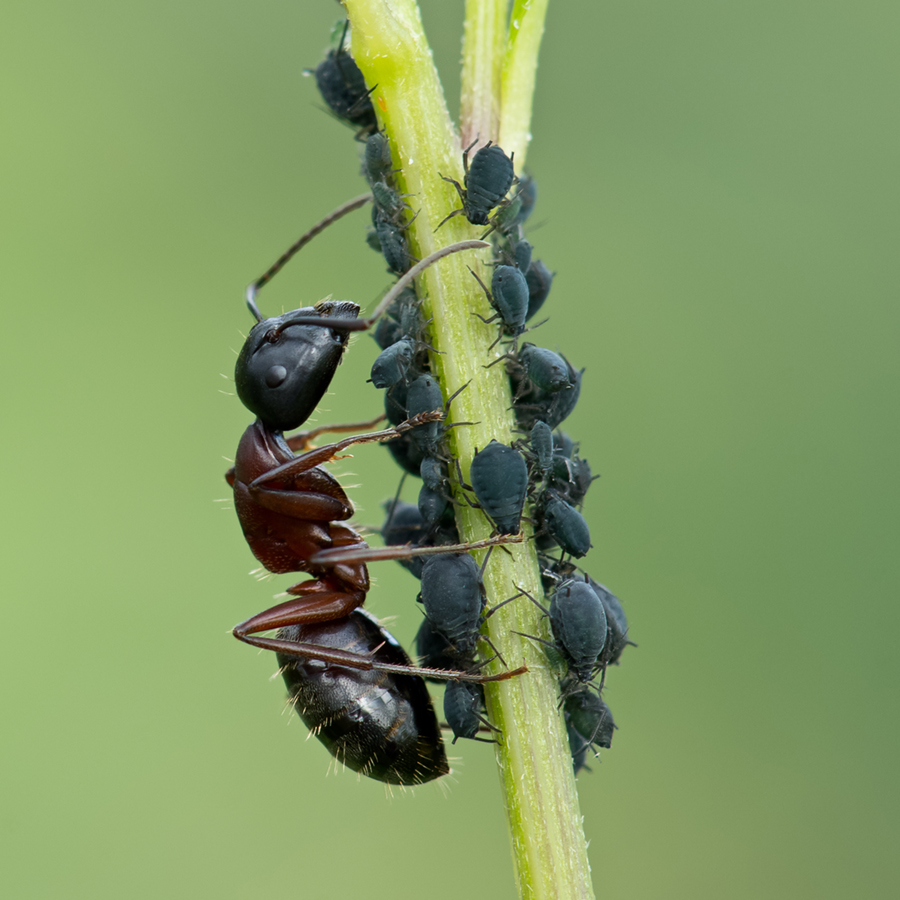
(533, 754)
(484, 41)
(526, 28)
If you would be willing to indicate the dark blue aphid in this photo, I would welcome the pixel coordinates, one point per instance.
(433, 504)
(522, 256)
(509, 297)
(542, 446)
(578, 746)
(535, 405)
(590, 717)
(343, 88)
(546, 370)
(511, 217)
(393, 243)
(392, 364)
(388, 202)
(617, 625)
(424, 394)
(433, 650)
(539, 280)
(387, 332)
(499, 476)
(564, 524)
(579, 625)
(463, 703)
(378, 158)
(570, 475)
(488, 180)
(454, 599)
(433, 473)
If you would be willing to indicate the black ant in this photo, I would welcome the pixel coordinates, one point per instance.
(293, 514)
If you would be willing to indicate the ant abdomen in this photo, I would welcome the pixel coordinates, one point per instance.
(379, 724)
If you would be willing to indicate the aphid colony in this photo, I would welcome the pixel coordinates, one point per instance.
(347, 678)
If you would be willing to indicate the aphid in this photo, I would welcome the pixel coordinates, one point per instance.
(343, 88)
(578, 747)
(424, 394)
(522, 257)
(617, 624)
(590, 717)
(432, 504)
(392, 364)
(388, 202)
(509, 298)
(546, 370)
(378, 161)
(578, 621)
(570, 474)
(379, 723)
(463, 705)
(564, 524)
(488, 180)
(453, 597)
(539, 280)
(499, 476)
(535, 405)
(393, 243)
(433, 649)
(511, 217)
(542, 445)
(433, 473)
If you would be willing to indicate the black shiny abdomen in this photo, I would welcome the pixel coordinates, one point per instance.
(379, 724)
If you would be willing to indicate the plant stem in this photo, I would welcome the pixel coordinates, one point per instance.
(533, 755)
(484, 41)
(526, 28)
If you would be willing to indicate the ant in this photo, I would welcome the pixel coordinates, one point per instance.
(293, 513)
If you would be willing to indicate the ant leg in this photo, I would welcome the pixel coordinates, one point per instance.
(285, 257)
(301, 440)
(326, 452)
(329, 606)
(405, 551)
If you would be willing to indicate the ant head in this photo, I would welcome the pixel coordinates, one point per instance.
(284, 369)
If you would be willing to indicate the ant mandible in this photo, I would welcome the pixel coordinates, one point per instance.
(291, 510)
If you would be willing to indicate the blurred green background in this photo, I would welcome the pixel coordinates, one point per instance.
(719, 196)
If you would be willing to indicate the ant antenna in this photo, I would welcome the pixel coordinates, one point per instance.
(285, 257)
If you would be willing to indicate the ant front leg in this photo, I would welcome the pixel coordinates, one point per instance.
(327, 452)
(301, 440)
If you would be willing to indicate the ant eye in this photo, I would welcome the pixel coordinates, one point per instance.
(275, 376)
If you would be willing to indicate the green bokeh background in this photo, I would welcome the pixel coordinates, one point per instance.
(719, 196)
